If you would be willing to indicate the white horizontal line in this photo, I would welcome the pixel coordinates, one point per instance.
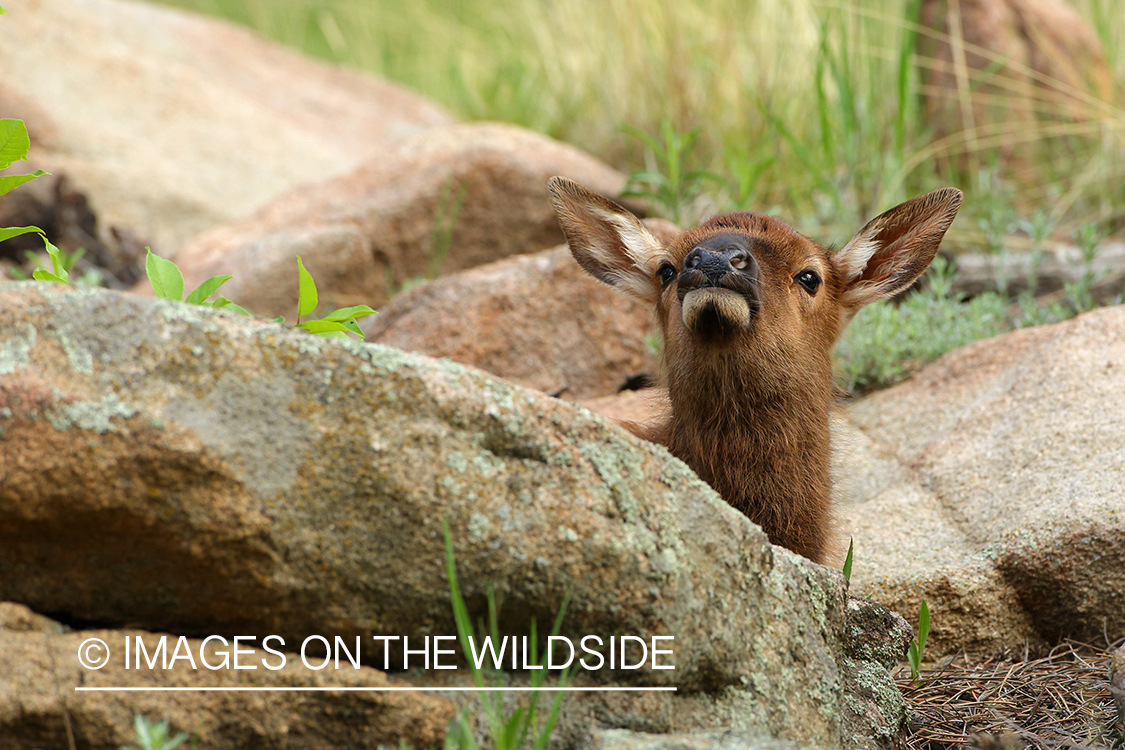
(373, 689)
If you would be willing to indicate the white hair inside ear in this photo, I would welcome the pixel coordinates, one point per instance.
(607, 240)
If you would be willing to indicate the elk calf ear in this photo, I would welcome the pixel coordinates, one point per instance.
(606, 239)
(895, 248)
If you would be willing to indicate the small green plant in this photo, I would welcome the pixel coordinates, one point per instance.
(61, 263)
(1032, 313)
(152, 735)
(917, 649)
(848, 561)
(997, 226)
(14, 145)
(1038, 227)
(336, 324)
(168, 283)
(1080, 292)
(508, 732)
(887, 343)
(668, 183)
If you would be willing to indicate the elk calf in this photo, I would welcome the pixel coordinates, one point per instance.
(750, 310)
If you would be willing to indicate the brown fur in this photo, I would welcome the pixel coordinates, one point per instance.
(749, 406)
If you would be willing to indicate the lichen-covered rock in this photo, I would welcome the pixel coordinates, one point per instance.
(446, 200)
(174, 123)
(877, 640)
(991, 485)
(38, 699)
(184, 470)
(538, 320)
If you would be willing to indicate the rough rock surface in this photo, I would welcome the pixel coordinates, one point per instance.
(176, 468)
(174, 123)
(1058, 267)
(449, 199)
(40, 672)
(990, 484)
(538, 320)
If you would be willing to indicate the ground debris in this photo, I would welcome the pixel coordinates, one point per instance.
(1016, 699)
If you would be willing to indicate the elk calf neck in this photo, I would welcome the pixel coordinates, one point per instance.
(750, 310)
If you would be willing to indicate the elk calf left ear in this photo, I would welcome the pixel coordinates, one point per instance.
(607, 240)
(895, 248)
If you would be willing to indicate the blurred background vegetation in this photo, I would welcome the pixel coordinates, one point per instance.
(812, 110)
(812, 107)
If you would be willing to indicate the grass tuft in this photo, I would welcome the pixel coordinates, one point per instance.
(886, 343)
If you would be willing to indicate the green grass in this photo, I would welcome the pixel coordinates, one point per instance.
(917, 651)
(527, 726)
(812, 107)
(153, 735)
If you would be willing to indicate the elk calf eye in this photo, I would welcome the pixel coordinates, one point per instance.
(666, 273)
(808, 280)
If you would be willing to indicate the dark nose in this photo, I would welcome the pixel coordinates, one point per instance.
(715, 264)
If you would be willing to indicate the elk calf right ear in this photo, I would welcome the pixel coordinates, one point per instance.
(895, 248)
(607, 240)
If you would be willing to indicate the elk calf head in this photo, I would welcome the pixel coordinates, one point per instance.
(749, 310)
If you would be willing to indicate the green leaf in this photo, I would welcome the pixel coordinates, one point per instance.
(14, 142)
(507, 740)
(848, 561)
(166, 279)
(56, 261)
(307, 299)
(321, 326)
(460, 611)
(353, 327)
(58, 272)
(917, 648)
(2, 11)
(344, 313)
(42, 275)
(69, 260)
(206, 289)
(10, 182)
(222, 303)
(175, 742)
(140, 726)
(923, 628)
(9, 232)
